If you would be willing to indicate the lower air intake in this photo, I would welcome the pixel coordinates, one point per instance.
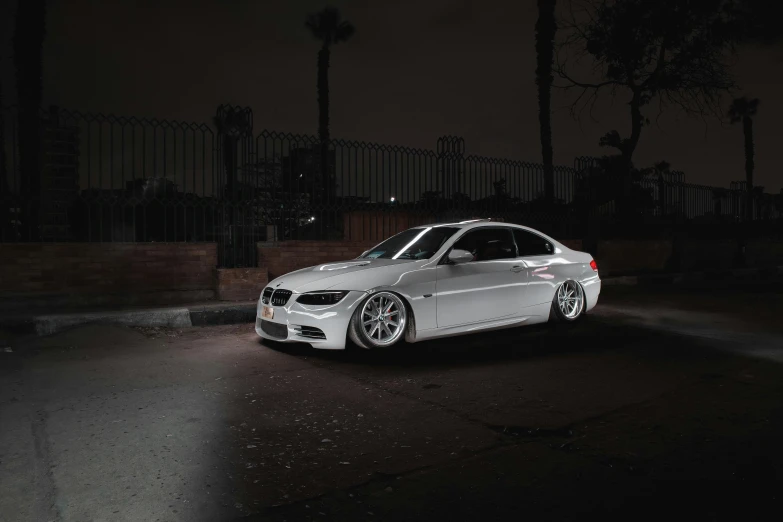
(310, 332)
(277, 330)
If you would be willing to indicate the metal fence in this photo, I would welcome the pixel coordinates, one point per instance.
(109, 178)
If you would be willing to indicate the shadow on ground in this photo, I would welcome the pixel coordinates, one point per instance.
(510, 344)
(606, 419)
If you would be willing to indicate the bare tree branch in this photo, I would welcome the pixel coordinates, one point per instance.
(673, 54)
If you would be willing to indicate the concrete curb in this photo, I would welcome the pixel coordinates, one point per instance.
(162, 317)
(235, 313)
(620, 281)
(688, 277)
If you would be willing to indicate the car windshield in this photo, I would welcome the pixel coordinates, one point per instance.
(415, 243)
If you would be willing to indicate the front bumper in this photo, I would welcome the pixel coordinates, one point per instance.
(294, 322)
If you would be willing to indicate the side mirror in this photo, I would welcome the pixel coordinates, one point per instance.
(458, 256)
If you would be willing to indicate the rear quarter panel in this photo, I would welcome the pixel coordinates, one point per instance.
(547, 273)
(589, 278)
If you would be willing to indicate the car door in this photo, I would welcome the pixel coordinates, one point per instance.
(537, 253)
(487, 288)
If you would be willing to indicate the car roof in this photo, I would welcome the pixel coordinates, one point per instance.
(459, 224)
(478, 223)
(472, 223)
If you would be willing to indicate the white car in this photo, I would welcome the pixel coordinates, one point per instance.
(431, 281)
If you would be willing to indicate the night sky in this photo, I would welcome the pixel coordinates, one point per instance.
(414, 71)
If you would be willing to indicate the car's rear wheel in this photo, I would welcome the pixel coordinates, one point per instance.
(379, 321)
(568, 304)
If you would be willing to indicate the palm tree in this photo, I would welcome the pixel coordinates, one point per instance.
(328, 27)
(29, 34)
(546, 27)
(744, 110)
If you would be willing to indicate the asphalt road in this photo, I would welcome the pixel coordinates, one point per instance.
(665, 402)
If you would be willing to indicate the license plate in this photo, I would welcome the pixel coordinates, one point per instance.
(268, 312)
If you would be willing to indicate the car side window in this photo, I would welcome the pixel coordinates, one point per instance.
(530, 244)
(487, 244)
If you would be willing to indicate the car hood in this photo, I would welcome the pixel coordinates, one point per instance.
(354, 274)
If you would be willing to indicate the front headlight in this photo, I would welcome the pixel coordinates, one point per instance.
(321, 298)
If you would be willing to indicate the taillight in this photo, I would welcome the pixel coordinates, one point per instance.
(594, 265)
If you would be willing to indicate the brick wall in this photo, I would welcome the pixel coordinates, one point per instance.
(765, 252)
(363, 226)
(108, 272)
(240, 284)
(281, 258)
(173, 273)
(633, 256)
(719, 254)
(573, 244)
(709, 254)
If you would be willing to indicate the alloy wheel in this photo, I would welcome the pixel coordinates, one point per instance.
(570, 299)
(383, 319)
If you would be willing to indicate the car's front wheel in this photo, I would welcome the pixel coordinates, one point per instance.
(379, 321)
(569, 301)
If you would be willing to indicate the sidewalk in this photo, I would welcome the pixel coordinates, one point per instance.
(181, 316)
(217, 313)
(735, 274)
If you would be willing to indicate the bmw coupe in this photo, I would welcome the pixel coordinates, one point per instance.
(428, 282)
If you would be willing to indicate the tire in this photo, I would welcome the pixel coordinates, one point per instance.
(568, 304)
(370, 329)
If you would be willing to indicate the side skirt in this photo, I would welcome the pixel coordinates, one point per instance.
(451, 331)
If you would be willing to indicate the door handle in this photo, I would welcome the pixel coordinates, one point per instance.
(517, 268)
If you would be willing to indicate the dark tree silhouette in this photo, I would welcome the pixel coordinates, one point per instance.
(29, 33)
(328, 27)
(743, 110)
(4, 189)
(546, 27)
(718, 195)
(760, 19)
(431, 201)
(3, 171)
(500, 188)
(672, 52)
(232, 123)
